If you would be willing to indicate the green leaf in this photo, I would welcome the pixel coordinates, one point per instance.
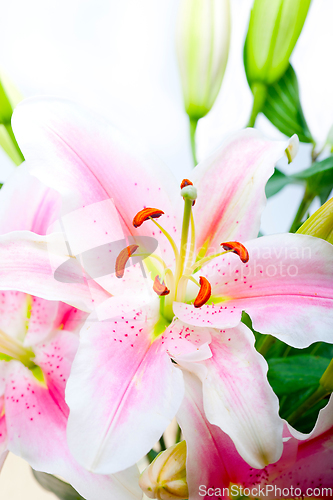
(295, 373)
(62, 490)
(319, 178)
(283, 107)
(277, 182)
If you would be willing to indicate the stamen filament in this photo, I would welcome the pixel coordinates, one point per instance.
(11, 347)
(203, 261)
(191, 279)
(168, 237)
(152, 255)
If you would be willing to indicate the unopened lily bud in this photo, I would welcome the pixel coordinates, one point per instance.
(165, 477)
(9, 98)
(274, 28)
(203, 37)
(320, 224)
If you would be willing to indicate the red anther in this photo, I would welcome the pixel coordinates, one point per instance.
(204, 292)
(122, 259)
(186, 182)
(145, 214)
(237, 248)
(160, 288)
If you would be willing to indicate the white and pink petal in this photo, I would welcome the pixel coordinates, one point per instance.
(231, 187)
(132, 387)
(36, 426)
(84, 158)
(29, 262)
(238, 398)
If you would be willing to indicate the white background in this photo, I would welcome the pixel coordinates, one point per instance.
(118, 56)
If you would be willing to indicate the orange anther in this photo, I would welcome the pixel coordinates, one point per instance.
(160, 288)
(204, 292)
(237, 248)
(122, 259)
(145, 214)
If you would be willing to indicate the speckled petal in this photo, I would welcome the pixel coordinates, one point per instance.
(132, 387)
(36, 419)
(286, 287)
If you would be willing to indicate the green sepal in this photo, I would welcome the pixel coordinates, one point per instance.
(62, 490)
(283, 107)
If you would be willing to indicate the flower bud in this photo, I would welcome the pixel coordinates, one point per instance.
(202, 39)
(9, 98)
(320, 224)
(274, 28)
(165, 477)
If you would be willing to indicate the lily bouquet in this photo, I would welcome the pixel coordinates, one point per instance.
(131, 299)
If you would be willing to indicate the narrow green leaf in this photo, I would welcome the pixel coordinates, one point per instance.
(295, 373)
(62, 490)
(283, 107)
(318, 167)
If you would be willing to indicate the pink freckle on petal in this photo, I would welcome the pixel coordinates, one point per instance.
(250, 286)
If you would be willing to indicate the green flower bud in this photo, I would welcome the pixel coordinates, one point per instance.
(203, 36)
(274, 28)
(9, 98)
(320, 224)
(165, 477)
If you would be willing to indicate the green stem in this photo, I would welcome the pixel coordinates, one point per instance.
(266, 345)
(302, 209)
(259, 91)
(317, 396)
(193, 128)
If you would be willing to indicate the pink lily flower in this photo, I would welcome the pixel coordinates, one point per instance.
(214, 469)
(38, 342)
(123, 362)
